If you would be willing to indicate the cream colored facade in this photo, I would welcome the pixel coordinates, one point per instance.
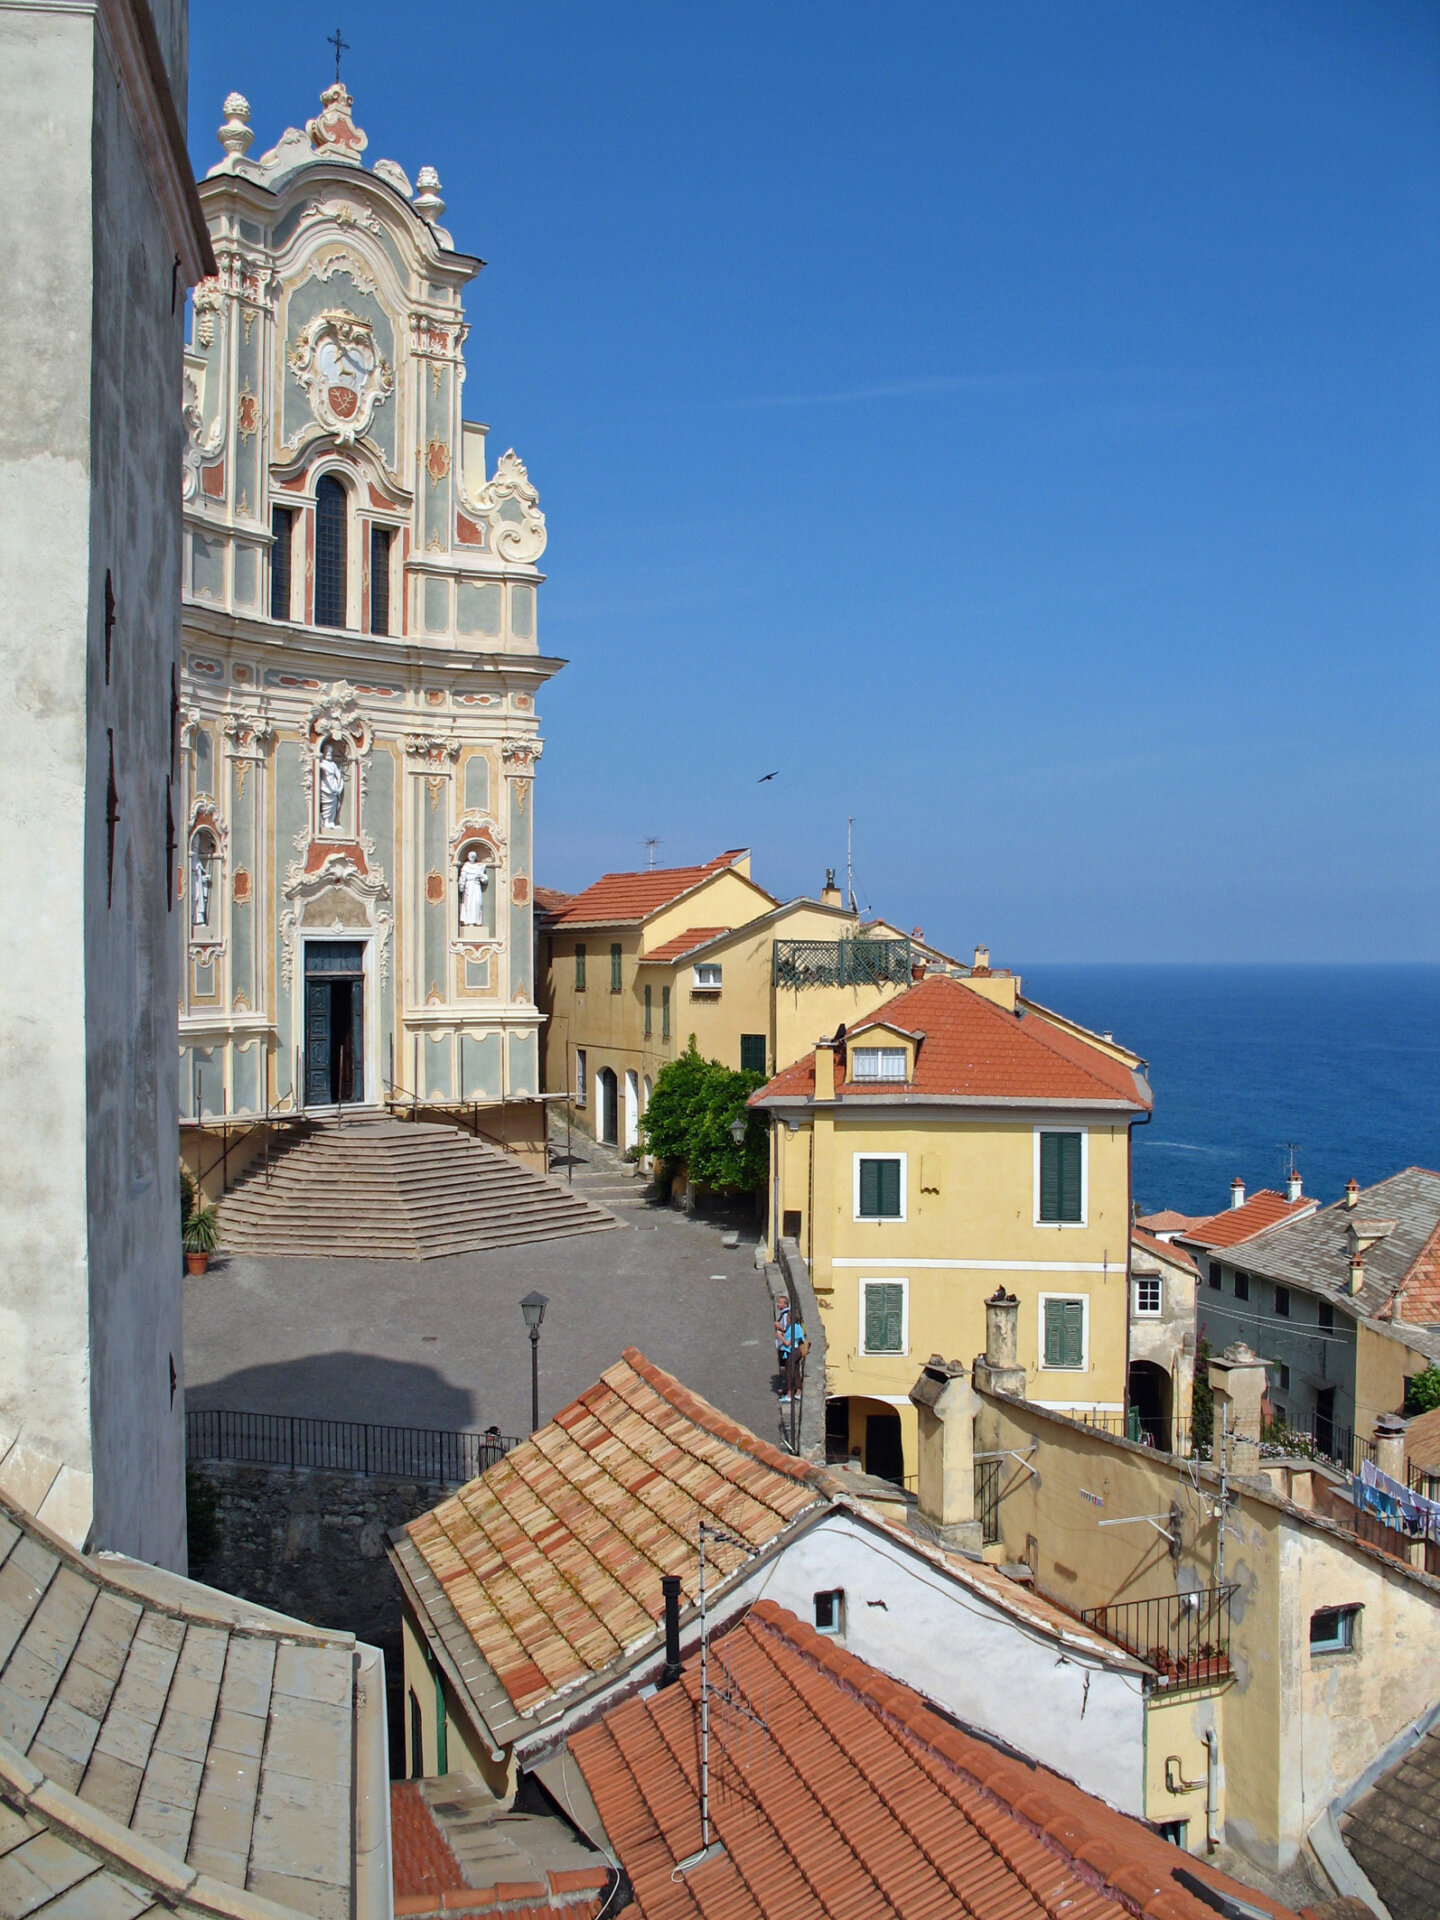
(969, 1223)
(632, 1030)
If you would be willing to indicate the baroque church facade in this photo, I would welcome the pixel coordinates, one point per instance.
(361, 665)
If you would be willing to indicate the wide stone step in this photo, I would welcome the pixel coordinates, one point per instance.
(386, 1189)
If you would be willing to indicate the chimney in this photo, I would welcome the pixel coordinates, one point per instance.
(830, 893)
(1390, 1446)
(1237, 1381)
(1237, 1192)
(825, 1070)
(670, 1587)
(1292, 1187)
(945, 1404)
(982, 960)
(1352, 1192)
(999, 1370)
(1357, 1272)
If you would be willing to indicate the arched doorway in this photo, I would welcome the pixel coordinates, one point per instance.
(632, 1109)
(1150, 1404)
(607, 1093)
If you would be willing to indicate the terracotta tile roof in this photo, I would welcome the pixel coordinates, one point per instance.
(683, 943)
(429, 1881)
(1163, 1249)
(1393, 1831)
(1420, 1289)
(618, 899)
(550, 900)
(1264, 1209)
(853, 1798)
(552, 1559)
(1168, 1221)
(1422, 1441)
(422, 1862)
(975, 1050)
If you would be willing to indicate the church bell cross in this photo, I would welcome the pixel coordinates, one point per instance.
(340, 46)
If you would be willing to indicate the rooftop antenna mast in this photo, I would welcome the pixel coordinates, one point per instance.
(650, 845)
(1290, 1148)
(849, 865)
(709, 1847)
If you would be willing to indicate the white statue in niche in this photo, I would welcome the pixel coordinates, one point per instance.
(330, 772)
(199, 882)
(474, 873)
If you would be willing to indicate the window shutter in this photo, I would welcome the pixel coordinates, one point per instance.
(889, 1171)
(615, 980)
(870, 1191)
(884, 1318)
(1069, 1144)
(1049, 1181)
(874, 1319)
(752, 1052)
(665, 1013)
(647, 1013)
(580, 969)
(1054, 1328)
(1074, 1333)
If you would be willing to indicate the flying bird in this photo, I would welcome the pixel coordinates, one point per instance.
(766, 776)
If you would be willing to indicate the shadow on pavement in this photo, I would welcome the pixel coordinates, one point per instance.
(343, 1386)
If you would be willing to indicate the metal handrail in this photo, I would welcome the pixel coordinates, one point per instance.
(443, 1455)
(1185, 1637)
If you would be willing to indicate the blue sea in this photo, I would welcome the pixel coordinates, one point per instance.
(1342, 1061)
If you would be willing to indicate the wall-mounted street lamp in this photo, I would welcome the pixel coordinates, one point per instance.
(533, 1307)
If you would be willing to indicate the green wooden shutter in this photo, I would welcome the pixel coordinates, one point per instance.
(889, 1188)
(885, 1317)
(1064, 1333)
(580, 969)
(1054, 1325)
(647, 1012)
(665, 1013)
(870, 1190)
(615, 980)
(1074, 1333)
(1069, 1144)
(1049, 1185)
(752, 1053)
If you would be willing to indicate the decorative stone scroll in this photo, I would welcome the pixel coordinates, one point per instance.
(344, 374)
(511, 505)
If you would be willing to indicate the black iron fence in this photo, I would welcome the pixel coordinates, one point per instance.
(347, 1446)
(1427, 1485)
(1184, 1637)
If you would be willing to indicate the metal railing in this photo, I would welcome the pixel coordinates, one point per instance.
(841, 963)
(1184, 1637)
(987, 1500)
(347, 1446)
(1427, 1485)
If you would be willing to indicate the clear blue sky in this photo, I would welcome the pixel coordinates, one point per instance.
(1019, 424)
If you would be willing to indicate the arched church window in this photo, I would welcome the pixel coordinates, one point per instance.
(204, 908)
(331, 782)
(476, 889)
(332, 553)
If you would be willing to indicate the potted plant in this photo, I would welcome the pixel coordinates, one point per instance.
(200, 1236)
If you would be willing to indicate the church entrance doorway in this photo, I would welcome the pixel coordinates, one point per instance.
(334, 1022)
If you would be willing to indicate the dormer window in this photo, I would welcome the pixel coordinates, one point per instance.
(708, 977)
(877, 1063)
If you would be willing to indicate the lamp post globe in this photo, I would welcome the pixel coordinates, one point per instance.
(739, 1126)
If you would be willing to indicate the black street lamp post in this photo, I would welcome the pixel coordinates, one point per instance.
(533, 1307)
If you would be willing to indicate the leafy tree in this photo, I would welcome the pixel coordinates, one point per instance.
(687, 1122)
(1422, 1391)
(1202, 1401)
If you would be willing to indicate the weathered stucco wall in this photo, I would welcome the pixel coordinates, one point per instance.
(89, 458)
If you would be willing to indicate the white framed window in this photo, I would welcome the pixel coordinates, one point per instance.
(879, 1186)
(1065, 1332)
(877, 1063)
(1335, 1630)
(885, 1316)
(1148, 1296)
(830, 1612)
(707, 976)
(1062, 1176)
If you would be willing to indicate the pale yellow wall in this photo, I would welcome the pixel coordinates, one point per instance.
(1381, 1365)
(465, 1751)
(983, 1214)
(726, 899)
(1176, 1726)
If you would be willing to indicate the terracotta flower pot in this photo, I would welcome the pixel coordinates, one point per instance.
(196, 1262)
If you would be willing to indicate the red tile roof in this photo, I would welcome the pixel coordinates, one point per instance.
(682, 944)
(551, 900)
(1264, 1209)
(1168, 1221)
(421, 1861)
(1163, 1249)
(619, 899)
(975, 1050)
(846, 1795)
(1422, 1441)
(552, 1559)
(1420, 1289)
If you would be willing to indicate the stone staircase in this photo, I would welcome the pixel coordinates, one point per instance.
(385, 1189)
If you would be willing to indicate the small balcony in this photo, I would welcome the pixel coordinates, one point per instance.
(1185, 1637)
(841, 963)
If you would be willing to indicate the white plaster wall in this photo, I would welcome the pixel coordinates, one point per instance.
(89, 465)
(978, 1663)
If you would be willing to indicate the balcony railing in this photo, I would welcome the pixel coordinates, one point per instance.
(1184, 1637)
(841, 963)
(431, 1454)
(987, 1500)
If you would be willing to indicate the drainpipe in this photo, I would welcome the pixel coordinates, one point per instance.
(1212, 1789)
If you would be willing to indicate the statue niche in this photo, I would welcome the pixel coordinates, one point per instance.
(204, 907)
(476, 892)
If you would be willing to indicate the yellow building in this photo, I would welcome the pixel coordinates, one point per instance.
(639, 962)
(961, 1141)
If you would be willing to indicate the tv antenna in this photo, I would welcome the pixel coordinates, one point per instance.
(650, 845)
(849, 865)
(1290, 1148)
(729, 1696)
